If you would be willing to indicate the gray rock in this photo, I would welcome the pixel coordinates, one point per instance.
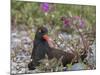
(78, 66)
(91, 58)
(15, 42)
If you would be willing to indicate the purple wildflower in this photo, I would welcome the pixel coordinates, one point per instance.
(44, 7)
(82, 24)
(66, 22)
(80, 21)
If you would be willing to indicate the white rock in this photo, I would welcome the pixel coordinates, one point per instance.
(23, 33)
(14, 34)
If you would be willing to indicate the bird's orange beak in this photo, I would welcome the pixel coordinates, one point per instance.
(46, 37)
(49, 40)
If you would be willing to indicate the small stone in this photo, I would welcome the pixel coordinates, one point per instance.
(65, 69)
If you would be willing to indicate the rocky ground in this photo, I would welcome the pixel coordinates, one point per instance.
(21, 48)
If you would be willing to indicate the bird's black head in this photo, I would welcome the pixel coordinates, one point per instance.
(41, 33)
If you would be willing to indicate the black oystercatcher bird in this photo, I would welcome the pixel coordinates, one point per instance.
(42, 47)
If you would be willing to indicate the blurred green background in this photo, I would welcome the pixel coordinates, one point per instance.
(30, 13)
